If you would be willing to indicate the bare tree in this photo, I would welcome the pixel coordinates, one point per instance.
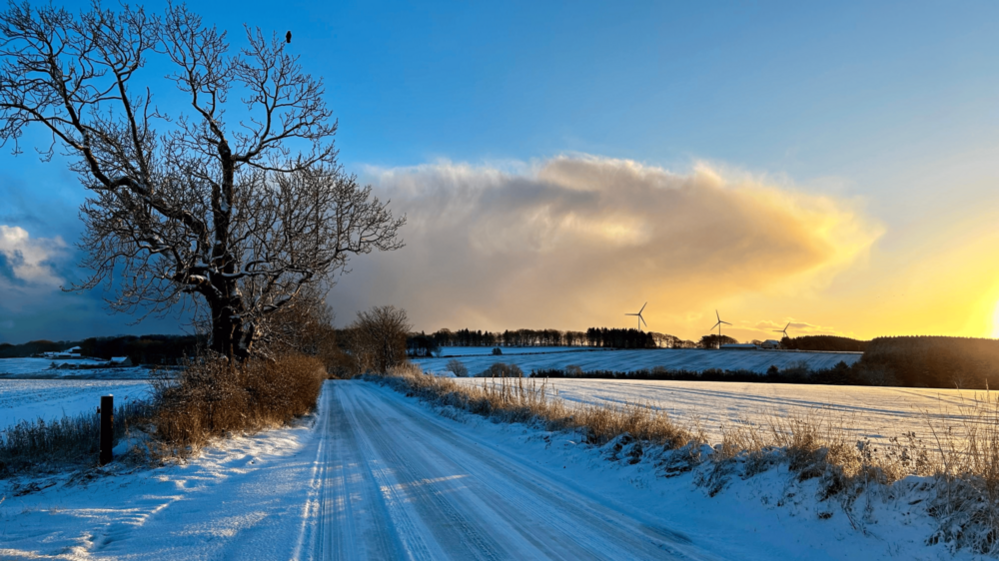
(457, 368)
(238, 213)
(379, 337)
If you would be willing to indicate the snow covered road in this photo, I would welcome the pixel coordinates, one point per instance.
(397, 483)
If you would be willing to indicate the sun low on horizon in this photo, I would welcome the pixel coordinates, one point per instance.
(831, 170)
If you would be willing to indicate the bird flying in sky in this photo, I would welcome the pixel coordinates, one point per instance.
(287, 37)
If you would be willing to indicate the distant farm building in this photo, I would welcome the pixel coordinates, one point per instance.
(770, 344)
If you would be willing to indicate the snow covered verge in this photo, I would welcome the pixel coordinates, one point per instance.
(242, 497)
(856, 500)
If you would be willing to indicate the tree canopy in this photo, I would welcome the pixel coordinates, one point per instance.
(234, 204)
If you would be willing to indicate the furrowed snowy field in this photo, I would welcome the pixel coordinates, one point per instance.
(36, 368)
(30, 400)
(30, 389)
(854, 412)
(477, 359)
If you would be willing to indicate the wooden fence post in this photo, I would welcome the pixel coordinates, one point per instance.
(107, 428)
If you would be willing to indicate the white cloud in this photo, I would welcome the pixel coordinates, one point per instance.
(30, 259)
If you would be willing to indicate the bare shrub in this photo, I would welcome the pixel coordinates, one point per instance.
(457, 368)
(378, 338)
(213, 397)
(502, 370)
(967, 498)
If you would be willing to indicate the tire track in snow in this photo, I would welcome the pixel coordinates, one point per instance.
(563, 512)
(443, 495)
(351, 512)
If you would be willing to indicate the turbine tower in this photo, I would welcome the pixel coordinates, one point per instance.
(718, 325)
(641, 320)
(784, 331)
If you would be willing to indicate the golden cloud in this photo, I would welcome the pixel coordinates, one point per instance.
(577, 241)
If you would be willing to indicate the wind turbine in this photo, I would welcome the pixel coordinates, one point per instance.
(641, 320)
(784, 331)
(718, 325)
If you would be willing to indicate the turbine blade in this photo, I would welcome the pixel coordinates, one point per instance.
(643, 308)
(786, 326)
(718, 317)
(643, 321)
(725, 322)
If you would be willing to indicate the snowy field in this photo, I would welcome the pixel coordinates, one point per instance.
(29, 400)
(47, 368)
(448, 352)
(375, 475)
(855, 412)
(478, 359)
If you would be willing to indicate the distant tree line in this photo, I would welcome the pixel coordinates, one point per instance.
(934, 362)
(714, 341)
(919, 361)
(8, 350)
(840, 374)
(145, 349)
(823, 343)
(620, 338)
(420, 343)
(140, 349)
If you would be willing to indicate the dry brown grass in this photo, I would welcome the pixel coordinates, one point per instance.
(213, 397)
(526, 400)
(34, 447)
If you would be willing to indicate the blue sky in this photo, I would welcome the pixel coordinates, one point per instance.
(892, 106)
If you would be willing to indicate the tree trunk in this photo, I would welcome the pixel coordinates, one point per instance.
(229, 336)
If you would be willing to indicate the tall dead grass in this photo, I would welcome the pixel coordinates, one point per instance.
(961, 474)
(213, 397)
(40, 446)
(518, 400)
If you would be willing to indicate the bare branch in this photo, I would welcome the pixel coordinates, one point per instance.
(197, 211)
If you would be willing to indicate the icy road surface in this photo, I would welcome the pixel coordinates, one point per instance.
(397, 483)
